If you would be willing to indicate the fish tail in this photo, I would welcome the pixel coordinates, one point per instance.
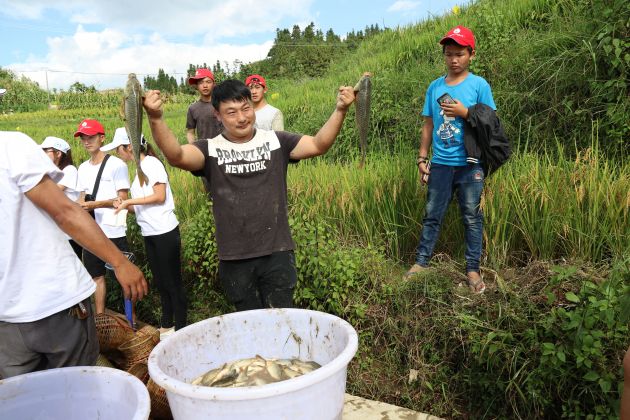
(142, 177)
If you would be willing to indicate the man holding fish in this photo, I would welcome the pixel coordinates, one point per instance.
(246, 170)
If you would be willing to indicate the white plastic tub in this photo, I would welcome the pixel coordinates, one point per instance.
(74, 393)
(270, 333)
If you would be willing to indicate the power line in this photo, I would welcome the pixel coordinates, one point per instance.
(87, 73)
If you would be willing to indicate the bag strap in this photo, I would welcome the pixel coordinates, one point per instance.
(98, 177)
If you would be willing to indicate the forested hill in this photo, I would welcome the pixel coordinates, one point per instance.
(558, 70)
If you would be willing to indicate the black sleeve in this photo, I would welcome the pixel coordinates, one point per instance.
(190, 120)
(203, 146)
(288, 141)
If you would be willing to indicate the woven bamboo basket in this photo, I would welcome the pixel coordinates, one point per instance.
(151, 331)
(141, 371)
(103, 361)
(111, 331)
(138, 348)
(159, 402)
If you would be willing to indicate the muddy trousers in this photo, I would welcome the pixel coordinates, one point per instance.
(261, 282)
(59, 340)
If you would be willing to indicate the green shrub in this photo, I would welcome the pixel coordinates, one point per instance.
(331, 277)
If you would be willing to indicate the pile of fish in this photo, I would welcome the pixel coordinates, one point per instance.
(255, 371)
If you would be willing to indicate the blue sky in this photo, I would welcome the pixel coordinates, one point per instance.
(98, 42)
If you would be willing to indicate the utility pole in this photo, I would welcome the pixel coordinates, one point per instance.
(47, 90)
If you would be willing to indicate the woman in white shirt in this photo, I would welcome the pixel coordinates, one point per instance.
(154, 208)
(58, 150)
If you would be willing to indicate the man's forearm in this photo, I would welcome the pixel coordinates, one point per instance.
(326, 135)
(166, 140)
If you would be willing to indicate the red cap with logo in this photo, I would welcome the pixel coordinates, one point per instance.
(256, 78)
(199, 75)
(89, 128)
(461, 35)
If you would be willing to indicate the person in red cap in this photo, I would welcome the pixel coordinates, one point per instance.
(446, 109)
(268, 117)
(247, 170)
(98, 196)
(201, 122)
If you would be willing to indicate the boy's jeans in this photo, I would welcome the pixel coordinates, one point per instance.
(467, 182)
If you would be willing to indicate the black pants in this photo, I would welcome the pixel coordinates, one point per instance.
(261, 282)
(77, 248)
(163, 252)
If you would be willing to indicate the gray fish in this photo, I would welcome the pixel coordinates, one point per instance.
(132, 111)
(363, 91)
(254, 371)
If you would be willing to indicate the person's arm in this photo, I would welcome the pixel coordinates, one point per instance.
(277, 123)
(187, 157)
(425, 145)
(311, 146)
(191, 135)
(82, 228)
(61, 187)
(158, 197)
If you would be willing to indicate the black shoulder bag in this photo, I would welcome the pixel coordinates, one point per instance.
(92, 197)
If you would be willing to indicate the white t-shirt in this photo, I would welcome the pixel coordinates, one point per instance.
(269, 118)
(40, 274)
(115, 177)
(69, 181)
(154, 219)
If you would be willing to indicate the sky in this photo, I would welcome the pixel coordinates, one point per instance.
(98, 42)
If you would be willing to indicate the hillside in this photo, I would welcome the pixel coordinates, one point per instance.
(558, 70)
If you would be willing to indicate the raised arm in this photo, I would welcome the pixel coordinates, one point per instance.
(186, 157)
(311, 146)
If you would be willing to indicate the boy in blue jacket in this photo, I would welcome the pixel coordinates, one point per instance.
(451, 171)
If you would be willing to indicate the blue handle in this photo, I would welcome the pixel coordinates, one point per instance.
(128, 312)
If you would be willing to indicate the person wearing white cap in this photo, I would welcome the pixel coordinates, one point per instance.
(58, 150)
(98, 198)
(154, 208)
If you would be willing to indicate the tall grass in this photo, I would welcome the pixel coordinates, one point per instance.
(537, 206)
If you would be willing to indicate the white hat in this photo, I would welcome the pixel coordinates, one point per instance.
(55, 143)
(120, 138)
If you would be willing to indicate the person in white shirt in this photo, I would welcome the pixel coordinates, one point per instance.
(58, 150)
(46, 319)
(268, 117)
(154, 208)
(114, 183)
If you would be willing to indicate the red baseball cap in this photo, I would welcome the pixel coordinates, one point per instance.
(256, 78)
(200, 74)
(89, 128)
(461, 35)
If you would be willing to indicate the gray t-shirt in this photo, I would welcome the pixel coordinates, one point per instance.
(201, 117)
(248, 185)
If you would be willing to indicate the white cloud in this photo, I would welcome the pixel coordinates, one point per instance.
(142, 36)
(170, 18)
(104, 58)
(403, 6)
